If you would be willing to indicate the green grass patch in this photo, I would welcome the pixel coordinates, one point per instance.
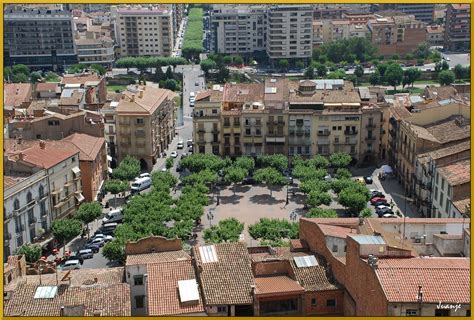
(114, 88)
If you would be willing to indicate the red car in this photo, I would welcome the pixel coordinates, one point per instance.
(377, 199)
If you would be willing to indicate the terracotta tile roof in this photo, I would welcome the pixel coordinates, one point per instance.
(297, 244)
(9, 181)
(442, 279)
(89, 147)
(203, 94)
(229, 280)
(46, 87)
(336, 231)
(435, 29)
(268, 286)
(462, 205)
(423, 133)
(14, 94)
(457, 173)
(347, 95)
(80, 79)
(400, 113)
(152, 99)
(455, 128)
(156, 257)
(460, 6)
(282, 92)
(243, 92)
(313, 278)
(440, 93)
(53, 153)
(444, 152)
(111, 301)
(163, 293)
(419, 220)
(335, 221)
(109, 296)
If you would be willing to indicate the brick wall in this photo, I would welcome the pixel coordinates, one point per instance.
(269, 268)
(321, 307)
(152, 244)
(362, 284)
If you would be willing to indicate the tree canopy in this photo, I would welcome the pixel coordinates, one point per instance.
(227, 230)
(274, 229)
(32, 252)
(321, 213)
(270, 176)
(66, 229)
(88, 212)
(446, 77)
(128, 169)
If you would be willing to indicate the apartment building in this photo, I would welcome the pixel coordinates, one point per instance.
(95, 51)
(394, 32)
(426, 130)
(238, 29)
(41, 38)
(426, 167)
(386, 254)
(357, 18)
(318, 33)
(452, 183)
(144, 30)
(93, 84)
(422, 12)
(289, 31)
(435, 35)
(27, 210)
(324, 11)
(55, 126)
(207, 124)
(61, 163)
(92, 162)
(457, 35)
(145, 123)
(109, 113)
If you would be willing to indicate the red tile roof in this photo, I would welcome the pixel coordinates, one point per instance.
(80, 79)
(230, 279)
(457, 173)
(88, 146)
(243, 92)
(442, 279)
(336, 231)
(268, 286)
(51, 155)
(147, 258)
(163, 292)
(46, 86)
(16, 93)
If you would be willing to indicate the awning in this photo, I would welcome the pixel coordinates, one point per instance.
(109, 158)
(76, 170)
(79, 197)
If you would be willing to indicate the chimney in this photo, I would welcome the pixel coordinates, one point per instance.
(123, 95)
(133, 98)
(96, 280)
(21, 156)
(42, 144)
(140, 94)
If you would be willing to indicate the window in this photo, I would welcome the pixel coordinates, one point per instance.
(16, 204)
(334, 248)
(442, 183)
(139, 302)
(313, 302)
(331, 302)
(29, 197)
(411, 312)
(442, 313)
(138, 280)
(221, 309)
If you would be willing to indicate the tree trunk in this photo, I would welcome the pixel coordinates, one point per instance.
(233, 189)
(271, 191)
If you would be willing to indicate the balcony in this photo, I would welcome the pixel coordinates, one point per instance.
(201, 130)
(370, 138)
(323, 142)
(371, 126)
(350, 132)
(215, 131)
(351, 142)
(299, 133)
(339, 142)
(32, 221)
(324, 133)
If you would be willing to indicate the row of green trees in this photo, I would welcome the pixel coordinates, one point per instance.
(192, 42)
(21, 73)
(78, 68)
(144, 63)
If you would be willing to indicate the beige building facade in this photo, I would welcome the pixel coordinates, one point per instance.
(145, 123)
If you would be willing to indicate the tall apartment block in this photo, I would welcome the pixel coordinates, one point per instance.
(283, 31)
(422, 12)
(290, 31)
(457, 34)
(39, 37)
(144, 31)
(238, 29)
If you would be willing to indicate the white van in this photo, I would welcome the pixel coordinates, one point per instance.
(113, 214)
(180, 144)
(192, 95)
(140, 184)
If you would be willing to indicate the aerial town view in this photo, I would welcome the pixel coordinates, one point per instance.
(236, 160)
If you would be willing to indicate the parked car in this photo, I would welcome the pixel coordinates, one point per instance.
(98, 241)
(164, 169)
(71, 265)
(328, 178)
(381, 212)
(173, 154)
(112, 214)
(375, 200)
(106, 238)
(196, 83)
(368, 180)
(189, 143)
(94, 247)
(86, 253)
(184, 155)
(143, 175)
(383, 206)
(390, 215)
(77, 257)
(377, 194)
(190, 150)
(180, 144)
